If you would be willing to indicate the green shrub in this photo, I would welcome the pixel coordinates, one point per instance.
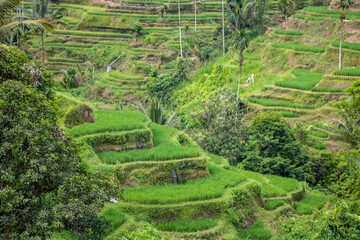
(348, 72)
(299, 47)
(278, 103)
(305, 80)
(186, 225)
(290, 114)
(256, 231)
(287, 32)
(271, 205)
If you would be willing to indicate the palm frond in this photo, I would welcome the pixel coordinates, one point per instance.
(41, 24)
(6, 6)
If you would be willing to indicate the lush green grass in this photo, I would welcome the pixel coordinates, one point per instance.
(290, 114)
(309, 204)
(278, 103)
(271, 205)
(62, 45)
(114, 216)
(332, 13)
(348, 45)
(305, 80)
(272, 186)
(250, 56)
(186, 225)
(261, 39)
(110, 121)
(298, 47)
(310, 18)
(286, 32)
(166, 147)
(318, 134)
(348, 72)
(256, 231)
(66, 60)
(326, 89)
(120, 76)
(199, 189)
(92, 34)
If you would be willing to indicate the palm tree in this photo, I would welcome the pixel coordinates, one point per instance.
(6, 6)
(349, 127)
(287, 8)
(181, 54)
(41, 11)
(240, 18)
(342, 4)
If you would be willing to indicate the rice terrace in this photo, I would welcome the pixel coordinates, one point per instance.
(179, 119)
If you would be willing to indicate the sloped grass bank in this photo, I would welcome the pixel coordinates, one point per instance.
(166, 147)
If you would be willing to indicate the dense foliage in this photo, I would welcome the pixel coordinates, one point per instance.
(44, 185)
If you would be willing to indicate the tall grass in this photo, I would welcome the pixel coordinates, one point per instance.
(348, 72)
(272, 186)
(298, 47)
(256, 231)
(186, 225)
(110, 121)
(92, 34)
(309, 204)
(114, 216)
(278, 103)
(348, 45)
(287, 32)
(271, 205)
(199, 189)
(290, 114)
(166, 147)
(305, 80)
(326, 89)
(310, 18)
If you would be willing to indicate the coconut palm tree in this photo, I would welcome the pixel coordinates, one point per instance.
(241, 16)
(41, 11)
(6, 6)
(342, 4)
(287, 8)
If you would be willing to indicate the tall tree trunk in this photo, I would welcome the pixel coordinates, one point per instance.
(223, 26)
(181, 53)
(195, 15)
(241, 60)
(42, 47)
(341, 38)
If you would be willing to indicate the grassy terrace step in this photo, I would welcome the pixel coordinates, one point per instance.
(65, 60)
(256, 231)
(117, 75)
(193, 190)
(333, 13)
(348, 45)
(92, 34)
(166, 147)
(305, 80)
(111, 121)
(57, 45)
(309, 204)
(354, 72)
(298, 47)
(278, 103)
(341, 78)
(287, 32)
(191, 225)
